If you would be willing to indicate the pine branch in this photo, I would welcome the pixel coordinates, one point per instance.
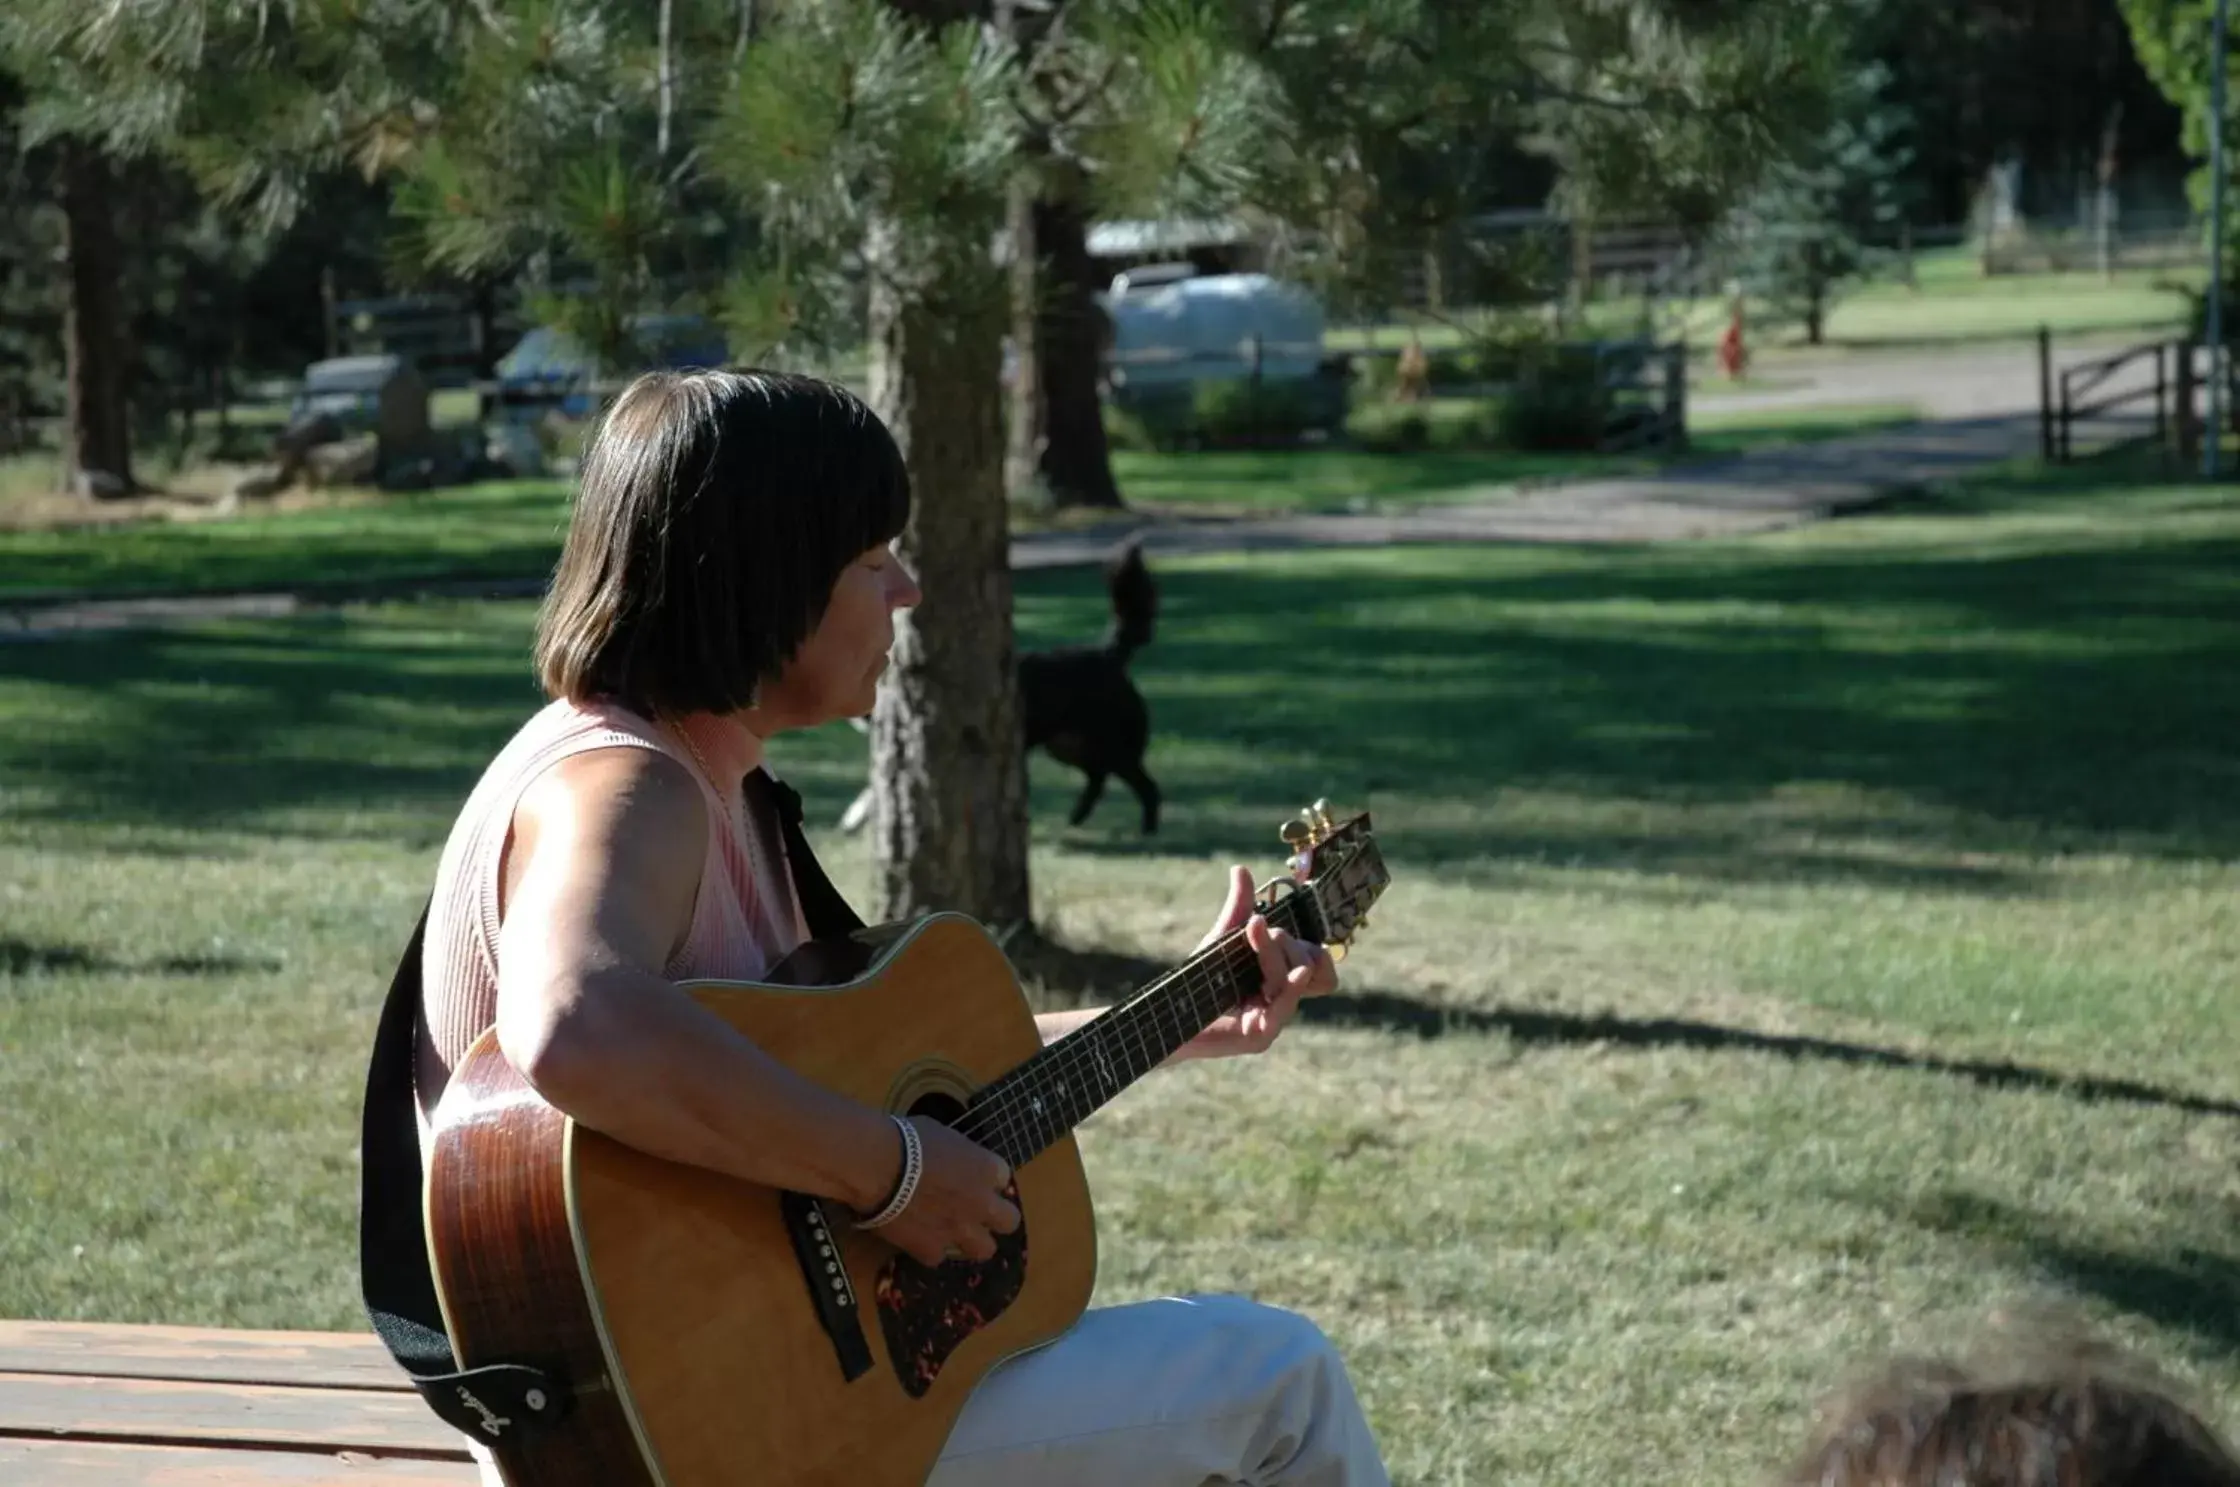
(1278, 12)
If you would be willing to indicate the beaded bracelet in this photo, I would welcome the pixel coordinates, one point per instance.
(913, 1167)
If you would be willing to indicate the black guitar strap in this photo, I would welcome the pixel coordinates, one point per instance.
(400, 1291)
(823, 909)
(828, 917)
(394, 1276)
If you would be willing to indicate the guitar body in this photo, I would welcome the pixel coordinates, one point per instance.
(673, 1300)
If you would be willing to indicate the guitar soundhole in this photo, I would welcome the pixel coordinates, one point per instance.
(928, 1312)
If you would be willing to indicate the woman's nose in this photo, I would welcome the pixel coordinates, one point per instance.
(906, 591)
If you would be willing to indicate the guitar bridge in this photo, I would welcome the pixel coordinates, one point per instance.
(830, 1290)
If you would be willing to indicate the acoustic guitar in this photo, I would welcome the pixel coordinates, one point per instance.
(707, 1332)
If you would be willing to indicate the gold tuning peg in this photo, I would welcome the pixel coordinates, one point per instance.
(1319, 813)
(1297, 832)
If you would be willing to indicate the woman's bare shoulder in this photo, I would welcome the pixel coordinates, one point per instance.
(621, 813)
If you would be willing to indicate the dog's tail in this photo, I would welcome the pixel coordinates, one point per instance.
(1135, 600)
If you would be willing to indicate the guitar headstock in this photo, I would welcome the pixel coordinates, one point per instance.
(1337, 863)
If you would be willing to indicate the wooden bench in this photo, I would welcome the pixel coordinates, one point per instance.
(94, 1405)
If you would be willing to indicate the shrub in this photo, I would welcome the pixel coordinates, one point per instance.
(1558, 403)
(1446, 423)
(1242, 412)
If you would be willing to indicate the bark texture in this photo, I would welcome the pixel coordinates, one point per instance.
(949, 804)
(97, 446)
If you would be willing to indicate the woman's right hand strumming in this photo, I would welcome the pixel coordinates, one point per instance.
(959, 1204)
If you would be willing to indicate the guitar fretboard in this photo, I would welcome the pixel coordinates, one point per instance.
(1052, 1092)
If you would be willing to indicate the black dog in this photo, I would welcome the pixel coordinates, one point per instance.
(1080, 704)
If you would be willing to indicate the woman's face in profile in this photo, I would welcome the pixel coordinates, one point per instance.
(835, 674)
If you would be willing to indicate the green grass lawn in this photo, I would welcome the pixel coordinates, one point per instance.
(1950, 304)
(1957, 308)
(1340, 479)
(1797, 948)
(497, 529)
(1278, 480)
(512, 529)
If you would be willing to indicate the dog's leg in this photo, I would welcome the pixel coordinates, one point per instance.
(1147, 791)
(1090, 791)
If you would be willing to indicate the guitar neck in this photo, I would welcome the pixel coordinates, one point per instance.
(1054, 1091)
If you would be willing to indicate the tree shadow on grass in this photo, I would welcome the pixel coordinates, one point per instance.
(2188, 1289)
(24, 957)
(2028, 698)
(2034, 700)
(1061, 975)
(224, 726)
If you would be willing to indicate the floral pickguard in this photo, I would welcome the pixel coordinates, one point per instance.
(928, 1313)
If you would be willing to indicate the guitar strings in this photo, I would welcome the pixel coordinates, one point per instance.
(1140, 1024)
(1150, 1011)
(1013, 1108)
(1071, 1062)
(1014, 1117)
(1034, 1110)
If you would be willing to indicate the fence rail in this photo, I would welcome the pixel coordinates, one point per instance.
(1646, 387)
(2103, 389)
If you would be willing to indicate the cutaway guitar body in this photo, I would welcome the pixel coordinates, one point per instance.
(673, 1299)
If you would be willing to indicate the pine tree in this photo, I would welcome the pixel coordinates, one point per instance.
(559, 152)
(947, 123)
(31, 295)
(805, 171)
(1130, 109)
(74, 161)
(1828, 211)
(858, 130)
(244, 96)
(1345, 127)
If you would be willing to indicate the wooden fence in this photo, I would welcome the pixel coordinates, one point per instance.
(2108, 388)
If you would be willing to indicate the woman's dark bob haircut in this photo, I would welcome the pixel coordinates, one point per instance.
(716, 511)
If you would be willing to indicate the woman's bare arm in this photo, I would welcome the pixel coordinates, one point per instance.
(601, 881)
(600, 885)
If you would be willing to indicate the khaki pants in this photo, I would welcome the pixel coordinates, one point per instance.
(1179, 1392)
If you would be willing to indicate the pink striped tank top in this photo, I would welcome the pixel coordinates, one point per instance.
(746, 917)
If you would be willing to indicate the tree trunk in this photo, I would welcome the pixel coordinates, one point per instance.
(949, 782)
(1076, 459)
(1815, 297)
(667, 81)
(97, 443)
(483, 306)
(2104, 209)
(1024, 408)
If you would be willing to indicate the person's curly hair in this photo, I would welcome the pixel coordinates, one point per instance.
(2057, 1411)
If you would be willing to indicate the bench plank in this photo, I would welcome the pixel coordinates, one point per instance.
(349, 1360)
(169, 1410)
(106, 1464)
